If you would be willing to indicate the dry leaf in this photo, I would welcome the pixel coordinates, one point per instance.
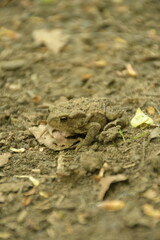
(152, 195)
(102, 171)
(44, 194)
(151, 110)
(36, 170)
(55, 142)
(107, 181)
(36, 99)
(86, 76)
(17, 150)
(32, 179)
(130, 71)
(101, 63)
(4, 158)
(129, 165)
(8, 33)
(140, 118)
(112, 205)
(26, 201)
(30, 192)
(55, 40)
(150, 211)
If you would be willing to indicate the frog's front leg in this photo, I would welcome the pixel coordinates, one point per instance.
(92, 131)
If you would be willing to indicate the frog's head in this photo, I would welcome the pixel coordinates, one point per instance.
(67, 119)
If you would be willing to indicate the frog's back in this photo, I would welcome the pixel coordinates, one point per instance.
(87, 105)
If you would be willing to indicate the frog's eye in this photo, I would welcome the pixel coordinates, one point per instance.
(63, 119)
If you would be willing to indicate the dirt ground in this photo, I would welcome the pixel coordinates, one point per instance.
(109, 48)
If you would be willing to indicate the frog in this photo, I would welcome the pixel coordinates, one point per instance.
(85, 118)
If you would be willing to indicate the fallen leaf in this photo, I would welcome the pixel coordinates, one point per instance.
(102, 171)
(129, 165)
(36, 170)
(26, 201)
(55, 39)
(8, 33)
(152, 195)
(101, 63)
(36, 99)
(150, 211)
(86, 76)
(4, 159)
(30, 192)
(55, 142)
(44, 194)
(17, 150)
(112, 205)
(107, 181)
(130, 71)
(140, 118)
(32, 179)
(151, 110)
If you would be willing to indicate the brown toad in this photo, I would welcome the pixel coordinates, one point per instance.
(85, 117)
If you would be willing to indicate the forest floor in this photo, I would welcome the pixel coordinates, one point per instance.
(92, 49)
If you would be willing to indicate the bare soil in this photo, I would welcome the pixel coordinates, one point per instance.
(104, 37)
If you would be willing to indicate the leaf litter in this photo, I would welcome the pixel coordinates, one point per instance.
(111, 205)
(140, 118)
(54, 39)
(107, 181)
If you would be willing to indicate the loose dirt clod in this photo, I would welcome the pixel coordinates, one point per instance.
(91, 161)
